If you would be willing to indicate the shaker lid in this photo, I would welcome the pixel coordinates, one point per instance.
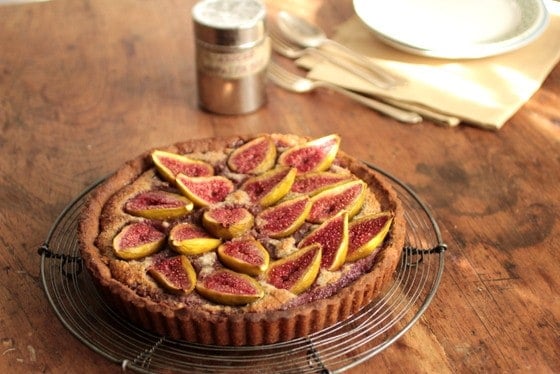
(229, 22)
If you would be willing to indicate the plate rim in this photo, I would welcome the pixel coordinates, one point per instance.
(470, 51)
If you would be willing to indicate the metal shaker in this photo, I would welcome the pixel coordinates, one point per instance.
(232, 54)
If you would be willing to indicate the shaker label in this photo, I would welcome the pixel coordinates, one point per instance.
(234, 65)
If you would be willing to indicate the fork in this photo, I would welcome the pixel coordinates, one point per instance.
(286, 49)
(297, 83)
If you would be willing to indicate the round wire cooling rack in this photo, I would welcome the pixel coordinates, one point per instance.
(347, 344)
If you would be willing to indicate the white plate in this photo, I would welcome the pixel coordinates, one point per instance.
(454, 28)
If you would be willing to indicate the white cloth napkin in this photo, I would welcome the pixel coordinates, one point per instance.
(483, 92)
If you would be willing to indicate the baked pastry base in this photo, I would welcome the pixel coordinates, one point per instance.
(236, 328)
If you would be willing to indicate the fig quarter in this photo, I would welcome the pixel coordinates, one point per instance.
(314, 155)
(315, 182)
(332, 235)
(137, 240)
(285, 218)
(268, 188)
(347, 197)
(367, 233)
(175, 274)
(245, 255)
(169, 165)
(159, 205)
(254, 157)
(227, 222)
(229, 288)
(190, 239)
(204, 191)
(296, 272)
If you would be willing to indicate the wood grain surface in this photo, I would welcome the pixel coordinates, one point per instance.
(88, 84)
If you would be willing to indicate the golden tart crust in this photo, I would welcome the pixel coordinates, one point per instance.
(277, 317)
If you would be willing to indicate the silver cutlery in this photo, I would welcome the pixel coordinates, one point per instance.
(296, 83)
(286, 49)
(305, 34)
(433, 115)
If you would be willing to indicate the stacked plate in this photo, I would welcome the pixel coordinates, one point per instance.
(454, 29)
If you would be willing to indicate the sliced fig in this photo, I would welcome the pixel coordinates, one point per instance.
(315, 155)
(227, 287)
(169, 165)
(366, 234)
(227, 222)
(245, 255)
(332, 235)
(313, 183)
(158, 205)
(253, 157)
(204, 191)
(283, 219)
(137, 240)
(175, 274)
(347, 197)
(189, 239)
(268, 188)
(296, 272)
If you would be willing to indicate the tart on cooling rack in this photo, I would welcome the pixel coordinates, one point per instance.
(242, 240)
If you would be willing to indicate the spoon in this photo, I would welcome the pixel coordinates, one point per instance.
(305, 34)
(296, 83)
(288, 49)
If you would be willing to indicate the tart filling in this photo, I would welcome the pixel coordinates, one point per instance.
(241, 230)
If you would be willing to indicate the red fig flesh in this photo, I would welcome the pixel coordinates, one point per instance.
(245, 255)
(268, 188)
(189, 239)
(283, 219)
(296, 272)
(229, 288)
(313, 183)
(158, 205)
(176, 274)
(227, 222)
(347, 197)
(254, 157)
(315, 155)
(170, 165)
(137, 240)
(204, 191)
(332, 235)
(366, 234)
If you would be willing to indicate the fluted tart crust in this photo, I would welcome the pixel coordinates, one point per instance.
(276, 314)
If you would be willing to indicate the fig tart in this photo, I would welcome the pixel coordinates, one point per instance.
(242, 240)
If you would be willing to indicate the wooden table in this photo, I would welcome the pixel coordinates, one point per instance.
(86, 85)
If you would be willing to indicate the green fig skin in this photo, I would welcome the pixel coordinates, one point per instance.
(296, 272)
(169, 165)
(332, 235)
(160, 205)
(245, 255)
(315, 155)
(254, 157)
(227, 287)
(204, 191)
(138, 240)
(347, 197)
(285, 218)
(175, 274)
